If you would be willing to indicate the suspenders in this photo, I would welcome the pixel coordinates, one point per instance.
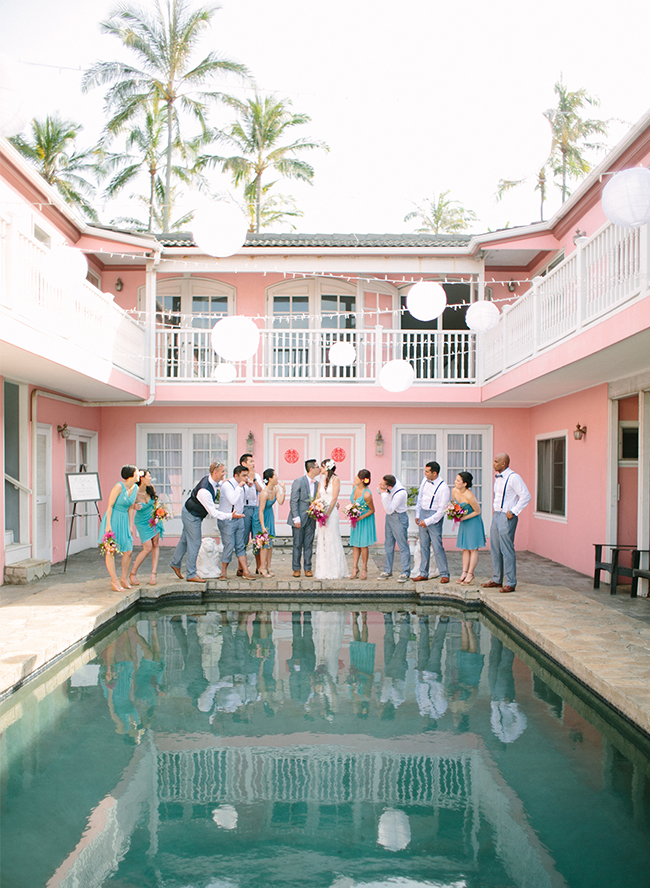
(503, 498)
(434, 495)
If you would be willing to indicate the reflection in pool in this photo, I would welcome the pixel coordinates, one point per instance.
(323, 748)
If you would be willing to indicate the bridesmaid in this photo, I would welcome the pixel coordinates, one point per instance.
(363, 534)
(471, 533)
(263, 519)
(117, 518)
(146, 502)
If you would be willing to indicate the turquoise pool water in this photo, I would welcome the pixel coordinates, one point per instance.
(322, 748)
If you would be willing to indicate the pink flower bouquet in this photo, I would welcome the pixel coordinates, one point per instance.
(353, 512)
(262, 541)
(455, 511)
(160, 513)
(108, 545)
(318, 511)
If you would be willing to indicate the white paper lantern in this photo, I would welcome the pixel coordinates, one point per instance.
(64, 267)
(235, 338)
(342, 354)
(225, 816)
(224, 373)
(12, 117)
(396, 376)
(626, 198)
(426, 301)
(482, 316)
(394, 831)
(219, 228)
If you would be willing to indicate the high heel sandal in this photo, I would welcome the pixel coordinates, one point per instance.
(354, 574)
(468, 579)
(363, 575)
(461, 578)
(134, 580)
(125, 583)
(153, 580)
(116, 587)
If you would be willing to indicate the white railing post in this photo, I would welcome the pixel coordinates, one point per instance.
(581, 282)
(379, 348)
(644, 258)
(537, 319)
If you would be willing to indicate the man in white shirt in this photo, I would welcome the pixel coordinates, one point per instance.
(200, 504)
(430, 512)
(511, 497)
(232, 532)
(393, 498)
(252, 490)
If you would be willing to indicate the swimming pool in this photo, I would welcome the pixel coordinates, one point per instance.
(227, 749)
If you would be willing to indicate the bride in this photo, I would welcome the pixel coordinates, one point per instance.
(330, 558)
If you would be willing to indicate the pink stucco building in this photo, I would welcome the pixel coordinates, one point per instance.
(124, 362)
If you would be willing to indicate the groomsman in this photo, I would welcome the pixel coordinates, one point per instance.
(252, 490)
(233, 532)
(393, 498)
(303, 491)
(433, 496)
(200, 504)
(511, 497)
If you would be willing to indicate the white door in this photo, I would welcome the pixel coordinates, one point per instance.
(44, 492)
(80, 456)
(288, 446)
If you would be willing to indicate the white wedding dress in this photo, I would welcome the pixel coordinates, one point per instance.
(330, 557)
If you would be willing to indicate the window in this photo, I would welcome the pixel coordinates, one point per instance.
(628, 443)
(416, 450)
(551, 475)
(42, 236)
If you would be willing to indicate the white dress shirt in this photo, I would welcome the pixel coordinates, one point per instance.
(251, 493)
(233, 494)
(510, 493)
(207, 501)
(433, 496)
(394, 500)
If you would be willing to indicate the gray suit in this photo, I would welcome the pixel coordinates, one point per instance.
(303, 536)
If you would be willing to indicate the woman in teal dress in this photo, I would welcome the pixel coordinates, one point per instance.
(146, 502)
(264, 520)
(117, 518)
(363, 534)
(471, 533)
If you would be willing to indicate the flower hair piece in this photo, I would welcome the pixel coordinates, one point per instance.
(330, 465)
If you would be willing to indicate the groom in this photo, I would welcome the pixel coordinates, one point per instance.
(303, 491)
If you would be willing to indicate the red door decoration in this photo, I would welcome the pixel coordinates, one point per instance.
(291, 456)
(338, 454)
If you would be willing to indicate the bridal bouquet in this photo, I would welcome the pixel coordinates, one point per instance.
(108, 545)
(318, 511)
(262, 541)
(160, 513)
(455, 511)
(353, 511)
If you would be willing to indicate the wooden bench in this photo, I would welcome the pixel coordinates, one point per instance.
(611, 566)
(638, 572)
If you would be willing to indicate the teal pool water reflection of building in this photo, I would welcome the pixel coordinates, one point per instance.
(324, 748)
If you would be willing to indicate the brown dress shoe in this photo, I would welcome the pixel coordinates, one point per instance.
(444, 579)
(491, 585)
(296, 573)
(195, 580)
(508, 589)
(177, 572)
(308, 573)
(419, 579)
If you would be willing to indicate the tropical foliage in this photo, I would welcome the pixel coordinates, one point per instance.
(441, 214)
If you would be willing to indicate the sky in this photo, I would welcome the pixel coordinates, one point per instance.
(413, 98)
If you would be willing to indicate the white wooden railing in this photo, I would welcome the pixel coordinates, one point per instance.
(186, 355)
(80, 317)
(606, 271)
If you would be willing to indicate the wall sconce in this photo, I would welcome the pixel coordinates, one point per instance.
(250, 442)
(119, 285)
(578, 235)
(579, 432)
(512, 287)
(63, 430)
(379, 444)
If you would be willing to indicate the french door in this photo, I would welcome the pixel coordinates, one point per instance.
(80, 456)
(44, 492)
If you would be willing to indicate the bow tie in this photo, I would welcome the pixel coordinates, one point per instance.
(498, 476)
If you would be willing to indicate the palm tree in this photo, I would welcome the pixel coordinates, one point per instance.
(440, 214)
(274, 208)
(164, 42)
(263, 123)
(51, 149)
(572, 133)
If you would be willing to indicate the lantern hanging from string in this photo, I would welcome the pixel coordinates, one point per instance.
(342, 354)
(396, 376)
(235, 338)
(219, 228)
(482, 316)
(426, 300)
(626, 198)
(64, 267)
(12, 117)
(224, 373)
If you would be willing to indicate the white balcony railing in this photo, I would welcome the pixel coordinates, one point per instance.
(606, 271)
(186, 355)
(79, 317)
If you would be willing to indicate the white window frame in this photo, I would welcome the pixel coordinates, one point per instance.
(316, 287)
(185, 283)
(548, 436)
(626, 424)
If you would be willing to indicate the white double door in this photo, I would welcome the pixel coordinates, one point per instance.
(287, 446)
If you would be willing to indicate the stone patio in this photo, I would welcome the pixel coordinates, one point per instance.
(603, 640)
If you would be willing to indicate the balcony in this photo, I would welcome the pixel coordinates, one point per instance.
(438, 356)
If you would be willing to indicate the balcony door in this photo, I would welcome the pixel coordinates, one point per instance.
(287, 447)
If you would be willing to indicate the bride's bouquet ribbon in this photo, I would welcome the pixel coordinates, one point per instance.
(318, 511)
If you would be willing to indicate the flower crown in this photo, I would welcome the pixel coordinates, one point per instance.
(330, 465)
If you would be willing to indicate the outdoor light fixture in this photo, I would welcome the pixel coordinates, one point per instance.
(379, 444)
(578, 235)
(512, 287)
(63, 430)
(579, 432)
(119, 285)
(250, 442)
